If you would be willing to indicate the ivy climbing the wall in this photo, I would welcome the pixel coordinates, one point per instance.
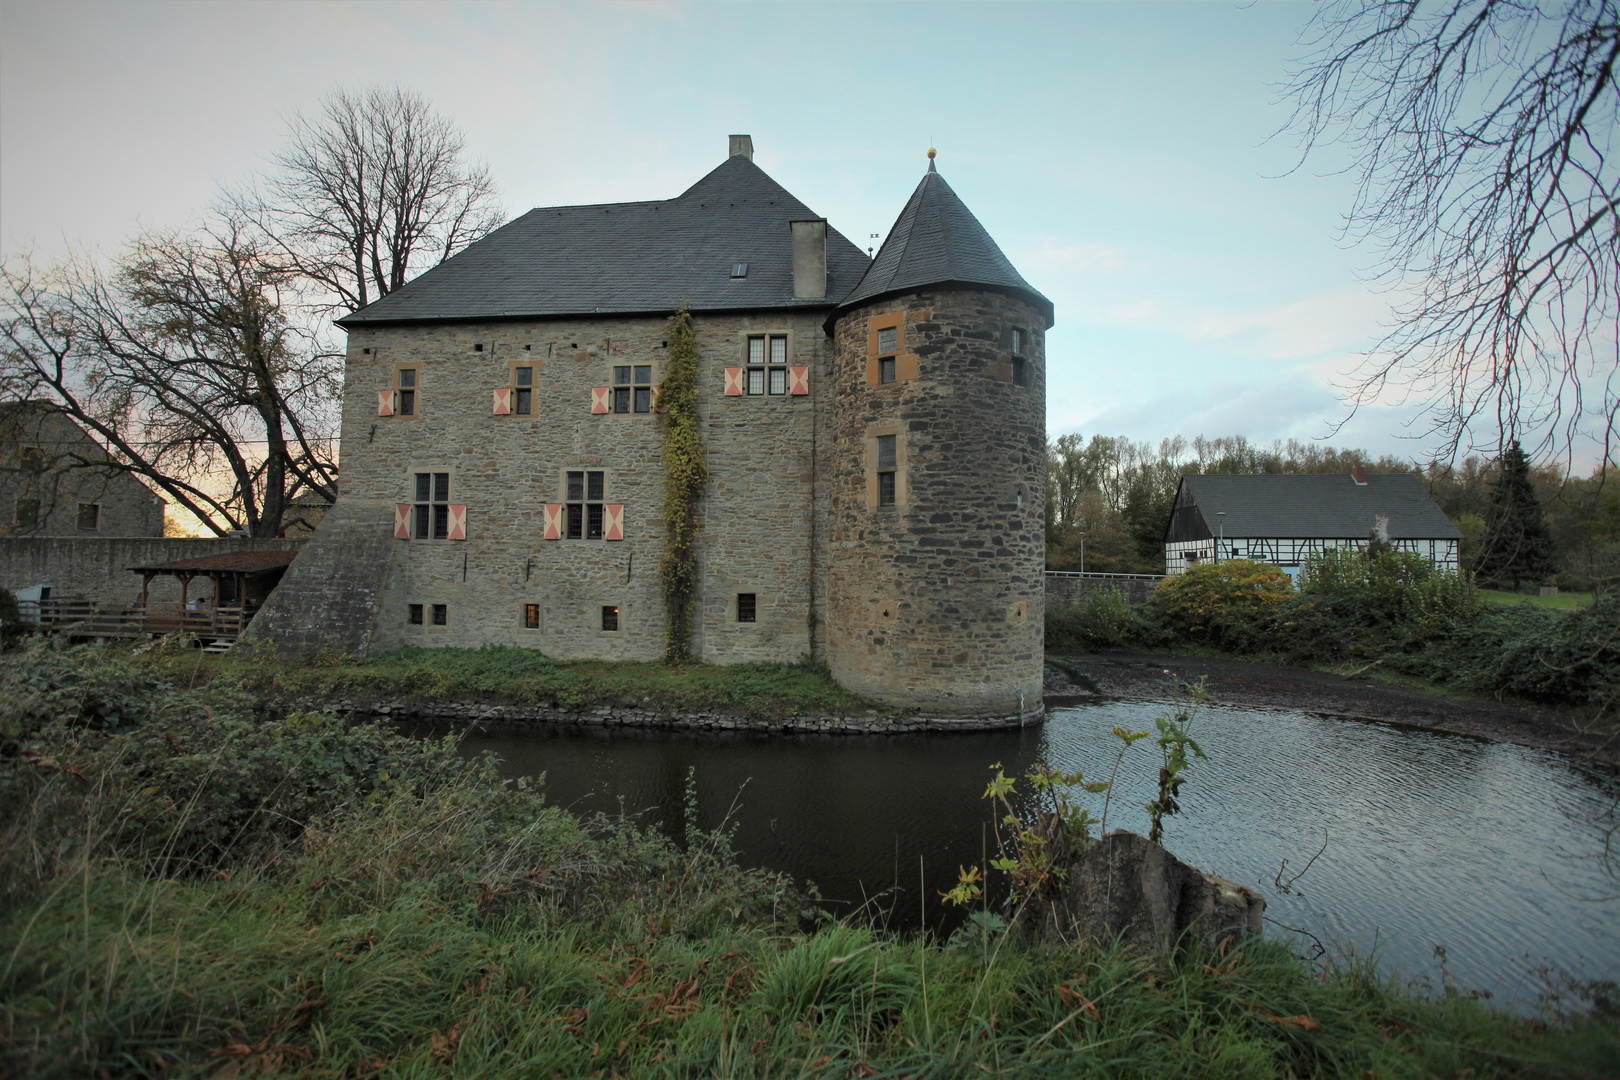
(685, 476)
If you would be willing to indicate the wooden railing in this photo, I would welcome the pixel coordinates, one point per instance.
(86, 618)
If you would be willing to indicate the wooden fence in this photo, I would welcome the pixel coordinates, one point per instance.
(87, 618)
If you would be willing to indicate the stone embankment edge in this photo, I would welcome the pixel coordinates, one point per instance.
(633, 717)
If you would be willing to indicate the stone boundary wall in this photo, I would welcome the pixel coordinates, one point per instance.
(97, 568)
(1067, 588)
(485, 714)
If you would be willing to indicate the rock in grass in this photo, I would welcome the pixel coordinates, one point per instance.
(1126, 886)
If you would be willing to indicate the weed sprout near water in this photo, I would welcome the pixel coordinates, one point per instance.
(1053, 832)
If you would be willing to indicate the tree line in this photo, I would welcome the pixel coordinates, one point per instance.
(1109, 499)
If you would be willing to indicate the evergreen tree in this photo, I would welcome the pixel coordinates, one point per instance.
(1517, 545)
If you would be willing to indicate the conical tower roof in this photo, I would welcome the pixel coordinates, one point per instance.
(937, 242)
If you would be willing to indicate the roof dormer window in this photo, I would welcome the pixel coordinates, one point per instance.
(739, 270)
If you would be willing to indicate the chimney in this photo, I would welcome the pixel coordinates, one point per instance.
(809, 258)
(743, 145)
(1359, 475)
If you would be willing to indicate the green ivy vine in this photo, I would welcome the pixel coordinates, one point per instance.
(685, 476)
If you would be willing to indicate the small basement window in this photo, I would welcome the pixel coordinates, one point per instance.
(746, 607)
(441, 614)
(610, 617)
(416, 615)
(531, 616)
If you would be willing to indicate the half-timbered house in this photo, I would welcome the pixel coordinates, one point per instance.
(1283, 519)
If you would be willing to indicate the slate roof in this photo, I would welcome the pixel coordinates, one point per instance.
(937, 241)
(1318, 506)
(230, 562)
(623, 258)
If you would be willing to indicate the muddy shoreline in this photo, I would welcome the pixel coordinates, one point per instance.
(1155, 676)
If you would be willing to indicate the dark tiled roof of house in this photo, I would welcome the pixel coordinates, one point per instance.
(1318, 506)
(231, 562)
(937, 241)
(623, 258)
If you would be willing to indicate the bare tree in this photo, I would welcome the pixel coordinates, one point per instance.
(1483, 133)
(185, 365)
(369, 191)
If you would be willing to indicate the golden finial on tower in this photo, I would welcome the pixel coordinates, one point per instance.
(931, 153)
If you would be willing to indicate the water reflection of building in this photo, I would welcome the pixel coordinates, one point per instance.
(1285, 518)
(874, 430)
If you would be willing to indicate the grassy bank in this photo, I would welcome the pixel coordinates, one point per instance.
(519, 677)
(1393, 611)
(189, 891)
(1564, 601)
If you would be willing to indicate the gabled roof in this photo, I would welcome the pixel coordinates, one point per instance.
(937, 241)
(623, 258)
(1317, 506)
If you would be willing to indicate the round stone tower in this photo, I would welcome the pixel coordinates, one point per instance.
(936, 477)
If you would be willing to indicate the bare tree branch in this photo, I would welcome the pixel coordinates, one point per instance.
(184, 364)
(369, 192)
(1483, 133)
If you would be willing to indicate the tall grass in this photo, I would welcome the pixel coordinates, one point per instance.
(426, 919)
(498, 673)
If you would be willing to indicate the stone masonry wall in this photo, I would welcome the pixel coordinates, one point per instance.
(84, 568)
(332, 596)
(127, 507)
(1073, 588)
(758, 514)
(936, 602)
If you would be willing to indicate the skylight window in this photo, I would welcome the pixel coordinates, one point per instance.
(739, 270)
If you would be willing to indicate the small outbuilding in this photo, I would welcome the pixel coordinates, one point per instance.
(1284, 518)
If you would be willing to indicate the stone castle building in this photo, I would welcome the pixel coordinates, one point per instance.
(57, 481)
(874, 431)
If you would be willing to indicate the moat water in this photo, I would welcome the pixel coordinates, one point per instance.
(1488, 851)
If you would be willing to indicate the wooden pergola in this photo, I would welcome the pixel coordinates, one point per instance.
(242, 581)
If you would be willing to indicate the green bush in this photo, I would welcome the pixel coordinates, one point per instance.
(11, 624)
(1230, 605)
(1352, 606)
(1103, 619)
(1533, 652)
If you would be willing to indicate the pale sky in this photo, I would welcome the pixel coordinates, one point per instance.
(1120, 154)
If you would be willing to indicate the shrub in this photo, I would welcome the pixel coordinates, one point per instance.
(1228, 604)
(1534, 652)
(1352, 605)
(1103, 619)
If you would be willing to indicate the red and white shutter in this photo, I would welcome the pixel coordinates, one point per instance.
(613, 521)
(554, 513)
(798, 379)
(599, 399)
(402, 521)
(503, 401)
(458, 522)
(734, 381)
(385, 403)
